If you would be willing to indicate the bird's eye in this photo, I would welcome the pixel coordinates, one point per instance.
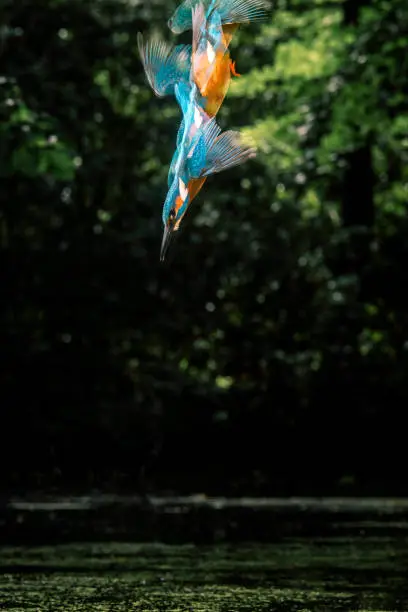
(172, 214)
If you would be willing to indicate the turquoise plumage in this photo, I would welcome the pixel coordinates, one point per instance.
(203, 150)
(198, 75)
(164, 64)
(230, 11)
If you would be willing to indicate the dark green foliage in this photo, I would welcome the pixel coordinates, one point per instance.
(270, 353)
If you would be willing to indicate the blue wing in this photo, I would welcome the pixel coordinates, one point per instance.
(231, 11)
(243, 11)
(223, 151)
(176, 154)
(172, 171)
(164, 65)
(197, 154)
(182, 92)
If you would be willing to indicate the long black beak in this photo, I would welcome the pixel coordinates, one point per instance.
(167, 236)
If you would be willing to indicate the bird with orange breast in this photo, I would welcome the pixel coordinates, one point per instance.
(199, 76)
(207, 62)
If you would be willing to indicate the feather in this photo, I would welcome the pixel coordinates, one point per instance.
(226, 151)
(198, 22)
(231, 11)
(182, 189)
(210, 133)
(164, 65)
(243, 11)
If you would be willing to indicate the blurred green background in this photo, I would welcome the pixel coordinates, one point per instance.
(269, 355)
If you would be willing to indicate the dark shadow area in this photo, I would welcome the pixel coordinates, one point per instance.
(269, 355)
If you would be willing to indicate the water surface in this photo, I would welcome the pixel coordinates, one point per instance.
(340, 573)
(316, 557)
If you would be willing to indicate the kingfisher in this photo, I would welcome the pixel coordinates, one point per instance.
(199, 76)
(206, 62)
(202, 150)
(211, 62)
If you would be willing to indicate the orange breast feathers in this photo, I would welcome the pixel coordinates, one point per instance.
(213, 79)
(193, 187)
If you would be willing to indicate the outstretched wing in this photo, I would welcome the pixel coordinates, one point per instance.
(163, 64)
(231, 11)
(224, 150)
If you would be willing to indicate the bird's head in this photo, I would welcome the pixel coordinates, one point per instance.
(174, 209)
